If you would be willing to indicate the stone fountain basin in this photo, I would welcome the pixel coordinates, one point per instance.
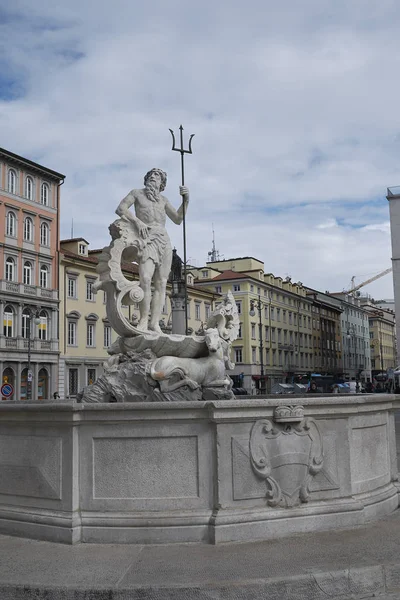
(182, 472)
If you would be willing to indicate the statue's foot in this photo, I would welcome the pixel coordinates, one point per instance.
(155, 327)
(142, 325)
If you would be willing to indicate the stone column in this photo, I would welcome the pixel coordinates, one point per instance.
(393, 195)
(18, 381)
(35, 381)
(178, 315)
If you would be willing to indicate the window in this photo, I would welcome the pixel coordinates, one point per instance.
(239, 307)
(240, 331)
(25, 323)
(8, 322)
(207, 308)
(284, 316)
(29, 188)
(253, 331)
(27, 276)
(44, 276)
(90, 337)
(71, 333)
(44, 194)
(72, 382)
(11, 224)
(107, 336)
(43, 325)
(12, 182)
(238, 355)
(272, 313)
(278, 314)
(10, 269)
(44, 234)
(89, 291)
(236, 287)
(252, 288)
(28, 229)
(253, 355)
(273, 334)
(204, 274)
(82, 249)
(267, 334)
(218, 289)
(71, 287)
(197, 311)
(91, 376)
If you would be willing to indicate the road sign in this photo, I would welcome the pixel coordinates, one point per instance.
(7, 390)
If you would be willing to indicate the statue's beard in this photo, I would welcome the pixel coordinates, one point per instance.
(152, 191)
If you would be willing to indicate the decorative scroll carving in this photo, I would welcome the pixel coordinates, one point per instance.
(286, 454)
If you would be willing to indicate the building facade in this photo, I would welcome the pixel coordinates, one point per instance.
(275, 337)
(327, 338)
(29, 245)
(382, 333)
(85, 332)
(355, 338)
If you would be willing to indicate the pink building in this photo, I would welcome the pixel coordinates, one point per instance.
(29, 253)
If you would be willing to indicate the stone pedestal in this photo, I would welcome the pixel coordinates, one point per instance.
(205, 472)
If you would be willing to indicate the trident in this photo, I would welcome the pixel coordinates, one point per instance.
(182, 151)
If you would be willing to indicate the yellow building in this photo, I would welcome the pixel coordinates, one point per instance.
(85, 333)
(275, 339)
(382, 333)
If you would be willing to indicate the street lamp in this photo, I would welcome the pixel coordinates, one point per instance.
(30, 315)
(258, 305)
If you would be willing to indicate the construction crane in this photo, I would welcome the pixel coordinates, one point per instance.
(354, 288)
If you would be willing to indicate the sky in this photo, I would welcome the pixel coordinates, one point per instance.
(294, 107)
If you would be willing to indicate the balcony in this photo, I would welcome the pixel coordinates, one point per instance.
(288, 347)
(21, 344)
(33, 291)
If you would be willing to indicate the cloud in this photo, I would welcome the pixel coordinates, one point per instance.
(294, 108)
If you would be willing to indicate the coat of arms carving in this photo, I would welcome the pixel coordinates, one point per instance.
(287, 453)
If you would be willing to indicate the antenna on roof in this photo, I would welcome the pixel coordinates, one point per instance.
(213, 255)
(72, 229)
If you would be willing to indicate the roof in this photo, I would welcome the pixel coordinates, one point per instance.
(126, 266)
(30, 163)
(229, 275)
(80, 239)
(237, 258)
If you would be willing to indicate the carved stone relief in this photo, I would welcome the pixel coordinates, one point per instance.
(286, 453)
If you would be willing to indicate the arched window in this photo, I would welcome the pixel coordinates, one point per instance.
(9, 377)
(44, 276)
(10, 269)
(27, 273)
(25, 322)
(12, 181)
(28, 229)
(44, 234)
(29, 188)
(11, 224)
(43, 325)
(8, 322)
(43, 385)
(44, 194)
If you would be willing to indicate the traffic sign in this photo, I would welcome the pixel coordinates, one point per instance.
(30, 377)
(7, 390)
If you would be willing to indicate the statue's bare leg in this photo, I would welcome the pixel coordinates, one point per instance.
(146, 272)
(160, 284)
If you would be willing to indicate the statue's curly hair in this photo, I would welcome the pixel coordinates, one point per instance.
(163, 178)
